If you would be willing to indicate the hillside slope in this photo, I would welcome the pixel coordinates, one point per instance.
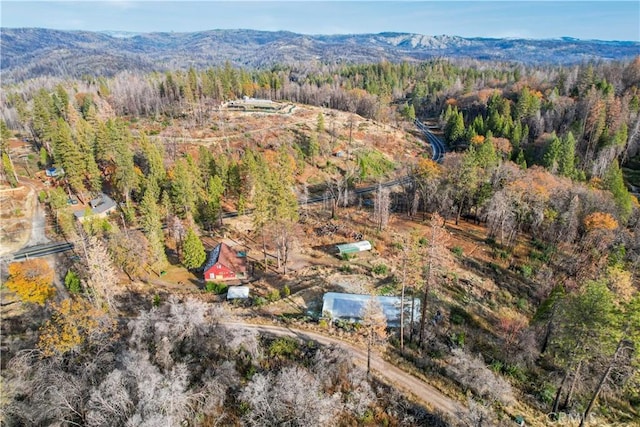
(31, 52)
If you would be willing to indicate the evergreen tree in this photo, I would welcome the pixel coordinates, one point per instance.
(313, 149)
(193, 252)
(585, 332)
(5, 135)
(478, 125)
(42, 117)
(60, 100)
(615, 183)
(320, 123)
(183, 189)
(153, 161)
(151, 221)
(566, 162)
(485, 153)
(9, 172)
(409, 112)
(552, 153)
(85, 137)
(7, 164)
(67, 154)
(454, 130)
(206, 163)
(212, 207)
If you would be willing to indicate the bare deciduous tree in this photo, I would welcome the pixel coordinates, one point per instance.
(471, 372)
(101, 276)
(381, 207)
(374, 324)
(292, 397)
(437, 254)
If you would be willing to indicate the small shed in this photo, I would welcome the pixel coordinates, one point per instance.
(54, 172)
(350, 248)
(237, 292)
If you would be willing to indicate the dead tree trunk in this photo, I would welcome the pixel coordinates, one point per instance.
(572, 387)
(603, 380)
(404, 283)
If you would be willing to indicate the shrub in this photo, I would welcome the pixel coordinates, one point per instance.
(526, 271)
(459, 316)
(274, 295)
(283, 347)
(522, 304)
(347, 257)
(458, 339)
(259, 301)
(380, 269)
(547, 393)
(495, 267)
(516, 372)
(216, 288)
(389, 289)
(345, 268)
(373, 164)
(457, 250)
(72, 282)
(156, 300)
(497, 366)
(286, 291)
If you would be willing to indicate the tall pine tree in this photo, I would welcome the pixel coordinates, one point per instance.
(193, 252)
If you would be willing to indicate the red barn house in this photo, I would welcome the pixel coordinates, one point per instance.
(223, 263)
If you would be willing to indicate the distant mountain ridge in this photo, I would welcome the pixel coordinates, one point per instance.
(32, 52)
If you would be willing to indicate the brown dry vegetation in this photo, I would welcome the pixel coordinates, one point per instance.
(16, 206)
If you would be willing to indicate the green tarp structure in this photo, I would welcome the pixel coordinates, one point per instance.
(349, 248)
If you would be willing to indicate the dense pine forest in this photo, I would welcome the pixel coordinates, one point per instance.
(540, 177)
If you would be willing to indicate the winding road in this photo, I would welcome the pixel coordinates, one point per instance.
(391, 374)
(437, 146)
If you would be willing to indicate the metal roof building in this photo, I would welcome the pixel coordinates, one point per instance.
(237, 292)
(349, 248)
(349, 307)
(101, 206)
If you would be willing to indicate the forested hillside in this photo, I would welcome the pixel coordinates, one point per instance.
(533, 309)
(34, 52)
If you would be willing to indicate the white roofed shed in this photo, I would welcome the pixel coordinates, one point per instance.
(237, 292)
(349, 248)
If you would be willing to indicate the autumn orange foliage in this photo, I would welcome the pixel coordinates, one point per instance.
(73, 323)
(477, 139)
(536, 184)
(537, 94)
(427, 168)
(600, 221)
(31, 280)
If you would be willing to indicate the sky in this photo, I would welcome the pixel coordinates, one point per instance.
(602, 20)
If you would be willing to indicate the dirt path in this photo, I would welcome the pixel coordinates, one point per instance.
(404, 381)
(38, 224)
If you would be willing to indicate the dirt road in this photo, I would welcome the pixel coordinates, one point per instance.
(393, 375)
